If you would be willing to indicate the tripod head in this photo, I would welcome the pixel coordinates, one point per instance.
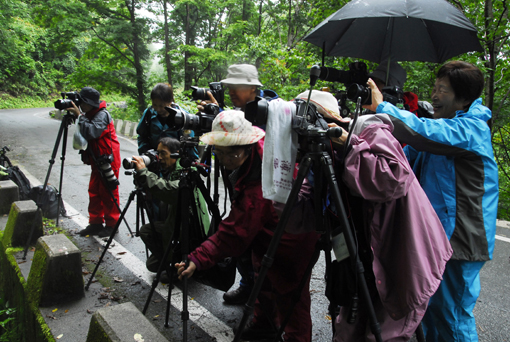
(188, 145)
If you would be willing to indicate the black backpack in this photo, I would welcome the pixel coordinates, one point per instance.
(18, 177)
(47, 201)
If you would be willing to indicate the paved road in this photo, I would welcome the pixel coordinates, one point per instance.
(31, 135)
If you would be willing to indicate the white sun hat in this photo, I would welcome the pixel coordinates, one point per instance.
(326, 104)
(242, 74)
(230, 128)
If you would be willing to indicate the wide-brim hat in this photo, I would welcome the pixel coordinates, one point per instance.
(90, 96)
(230, 128)
(325, 102)
(242, 74)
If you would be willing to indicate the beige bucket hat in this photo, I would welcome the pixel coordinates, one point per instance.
(243, 74)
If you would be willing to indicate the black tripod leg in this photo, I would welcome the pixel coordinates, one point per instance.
(420, 335)
(329, 174)
(110, 239)
(63, 125)
(267, 261)
(62, 158)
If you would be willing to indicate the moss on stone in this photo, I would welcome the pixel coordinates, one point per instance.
(36, 276)
(9, 228)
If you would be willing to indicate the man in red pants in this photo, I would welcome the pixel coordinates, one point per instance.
(103, 155)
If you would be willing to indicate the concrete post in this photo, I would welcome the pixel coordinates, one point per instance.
(9, 194)
(21, 217)
(106, 325)
(55, 275)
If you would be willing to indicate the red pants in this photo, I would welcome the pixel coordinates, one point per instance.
(102, 208)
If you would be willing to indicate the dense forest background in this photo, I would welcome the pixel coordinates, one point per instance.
(124, 47)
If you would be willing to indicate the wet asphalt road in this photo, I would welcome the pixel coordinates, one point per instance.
(31, 135)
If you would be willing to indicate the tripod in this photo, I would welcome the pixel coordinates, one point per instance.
(319, 161)
(141, 204)
(188, 223)
(67, 120)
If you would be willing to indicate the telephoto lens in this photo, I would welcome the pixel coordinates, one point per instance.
(103, 163)
(129, 164)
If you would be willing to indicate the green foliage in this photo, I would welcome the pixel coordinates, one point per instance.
(9, 330)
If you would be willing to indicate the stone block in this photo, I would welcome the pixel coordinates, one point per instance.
(55, 275)
(58, 114)
(126, 127)
(9, 193)
(106, 325)
(19, 223)
(118, 125)
(132, 129)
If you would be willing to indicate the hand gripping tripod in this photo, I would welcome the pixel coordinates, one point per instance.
(187, 225)
(319, 161)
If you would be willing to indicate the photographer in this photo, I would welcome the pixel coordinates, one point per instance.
(243, 85)
(152, 126)
(96, 126)
(397, 78)
(401, 242)
(250, 225)
(164, 187)
(454, 162)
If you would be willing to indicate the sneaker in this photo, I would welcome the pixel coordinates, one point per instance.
(106, 232)
(252, 332)
(237, 296)
(92, 229)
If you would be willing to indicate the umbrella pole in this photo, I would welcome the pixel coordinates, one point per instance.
(323, 52)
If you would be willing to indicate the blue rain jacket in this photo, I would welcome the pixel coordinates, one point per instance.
(454, 161)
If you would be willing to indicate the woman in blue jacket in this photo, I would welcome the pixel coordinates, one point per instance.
(452, 157)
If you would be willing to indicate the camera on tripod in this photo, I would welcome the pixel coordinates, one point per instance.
(104, 165)
(216, 90)
(392, 94)
(200, 123)
(307, 121)
(150, 157)
(67, 100)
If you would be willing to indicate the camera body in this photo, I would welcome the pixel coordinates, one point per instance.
(216, 90)
(103, 163)
(200, 123)
(67, 100)
(391, 94)
(150, 157)
(306, 121)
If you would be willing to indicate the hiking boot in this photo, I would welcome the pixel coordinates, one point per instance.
(237, 296)
(106, 232)
(92, 229)
(252, 332)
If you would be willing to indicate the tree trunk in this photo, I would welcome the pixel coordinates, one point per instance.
(490, 64)
(140, 77)
(187, 68)
(167, 45)
(260, 17)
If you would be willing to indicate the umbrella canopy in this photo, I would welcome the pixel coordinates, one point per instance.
(396, 30)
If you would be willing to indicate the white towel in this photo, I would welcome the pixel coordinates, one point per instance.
(280, 149)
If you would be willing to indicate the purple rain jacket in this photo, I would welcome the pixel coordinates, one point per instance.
(409, 244)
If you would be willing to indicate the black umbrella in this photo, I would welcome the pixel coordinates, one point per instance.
(396, 30)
